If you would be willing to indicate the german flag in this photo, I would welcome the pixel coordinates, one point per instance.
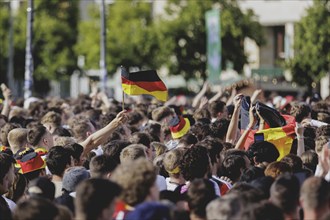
(143, 82)
(281, 137)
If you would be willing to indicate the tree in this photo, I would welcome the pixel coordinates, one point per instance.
(311, 44)
(132, 38)
(176, 40)
(55, 34)
(186, 28)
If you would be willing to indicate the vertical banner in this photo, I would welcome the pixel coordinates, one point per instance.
(213, 40)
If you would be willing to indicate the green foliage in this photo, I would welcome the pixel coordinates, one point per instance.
(177, 40)
(55, 33)
(188, 38)
(132, 38)
(312, 42)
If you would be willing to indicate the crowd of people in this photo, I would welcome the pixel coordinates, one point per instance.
(213, 156)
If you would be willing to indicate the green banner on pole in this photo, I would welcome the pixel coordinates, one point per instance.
(213, 41)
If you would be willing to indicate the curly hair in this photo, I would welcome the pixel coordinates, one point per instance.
(136, 178)
(195, 163)
(300, 111)
(219, 128)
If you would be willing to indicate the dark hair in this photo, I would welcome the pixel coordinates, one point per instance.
(261, 211)
(251, 173)
(232, 166)
(200, 193)
(76, 150)
(285, 193)
(216, 107)
(63, 132)
(57, 159)
(200, 130)
(93, 196)
(194, 163)
(213, 146)
(310, 160)
(141, 138)
(188, 139)
(35, 208)
(263, 151)
(101, 165)
(6, 161)
(35, 134)
(219, 128)
(300, 111)
(113, 149)
(294, 162)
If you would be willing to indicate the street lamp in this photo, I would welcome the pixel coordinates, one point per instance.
(28, 83)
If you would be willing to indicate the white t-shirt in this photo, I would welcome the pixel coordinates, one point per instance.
(161, 183)
(170, 185)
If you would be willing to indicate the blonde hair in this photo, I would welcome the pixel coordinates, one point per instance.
(17, 139)
(136, 178)
(171, 161)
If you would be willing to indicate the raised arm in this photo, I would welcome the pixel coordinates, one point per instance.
(252, 122)
(300, 139)
(199, 96)
(101, 136)
(233, 125)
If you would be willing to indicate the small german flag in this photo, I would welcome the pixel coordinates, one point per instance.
(143, 82)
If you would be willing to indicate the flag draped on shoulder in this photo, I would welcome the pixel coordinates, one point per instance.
(143, 83)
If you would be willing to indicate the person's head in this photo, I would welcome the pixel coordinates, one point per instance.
(284, 193)
(17, 139)
(219, 128)
(38, 136)
(58, 159)
(3, 120)
(133, 152)
(195, 163)
(81, 129)
(200, 130)
(214, 147)
(262, 152)
(42, 187)
(138, 180)
(277, 168)
(310, 160)
(145, 139)
(136, 118)
(187, 140)
(162, 114)
(300, 111)
(261, 211)
(95, 199)
(251, 173)
(4, 133)
(294, 162)
(114, 148)
(225, 207)
(160, 148)
(233, 166)
(200, 193)
(72, 177)
(218, 109)
(202, 113)
(7, 172)
(324, 130)
(171, 162)
(51, 120)
(315, 195)
(35, 208)
(76, 151)
(102, 166)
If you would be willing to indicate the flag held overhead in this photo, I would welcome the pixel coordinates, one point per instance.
(143, 83)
